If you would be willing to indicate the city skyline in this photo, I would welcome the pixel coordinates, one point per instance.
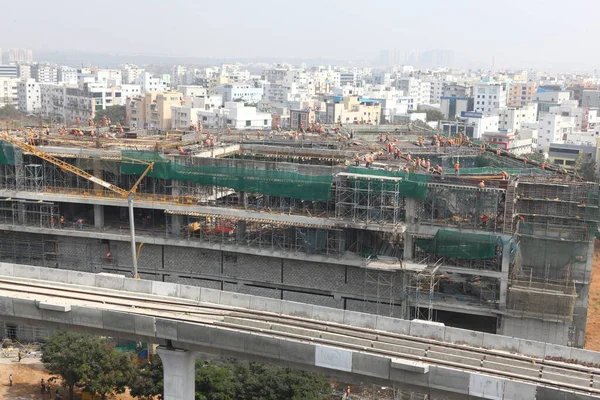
(476, 33)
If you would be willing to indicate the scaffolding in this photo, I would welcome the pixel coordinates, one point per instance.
(463, 206)
(368, 198)
(381, 282)
(542, 299)
(29, 213)
(422, 286)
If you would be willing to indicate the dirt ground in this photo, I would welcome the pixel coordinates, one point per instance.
(26, 381)
(592, 331)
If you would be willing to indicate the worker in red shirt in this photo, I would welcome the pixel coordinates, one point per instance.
(457, 168)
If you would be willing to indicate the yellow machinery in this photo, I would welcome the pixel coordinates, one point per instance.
(128, 194)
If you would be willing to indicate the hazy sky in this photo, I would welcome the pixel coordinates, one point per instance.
(525, 33)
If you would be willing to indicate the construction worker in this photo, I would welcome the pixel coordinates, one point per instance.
(457, 168)
(62, 222)
(52, 221)
(10, 380)
(20, 355)
(481, 184)
(357, 160)
(80, 223)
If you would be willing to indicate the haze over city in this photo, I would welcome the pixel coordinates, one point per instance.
(509, 34)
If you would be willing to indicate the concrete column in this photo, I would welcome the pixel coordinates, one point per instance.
(240, 232)
(98, 216)
(179, 373)
(408, 246)
(176, 223)
(504, 276)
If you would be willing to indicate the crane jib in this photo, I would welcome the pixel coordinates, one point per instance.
(100, 182)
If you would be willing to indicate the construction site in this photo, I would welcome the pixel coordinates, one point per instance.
(461, 234)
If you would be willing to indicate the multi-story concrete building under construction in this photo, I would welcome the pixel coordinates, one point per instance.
(503, 246)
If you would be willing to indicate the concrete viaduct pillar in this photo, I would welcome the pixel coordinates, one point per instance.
(98, 216)
(179, 373)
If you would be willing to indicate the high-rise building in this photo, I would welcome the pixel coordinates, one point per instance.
(20, 56)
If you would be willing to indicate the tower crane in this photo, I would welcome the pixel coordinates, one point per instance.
(128, 194)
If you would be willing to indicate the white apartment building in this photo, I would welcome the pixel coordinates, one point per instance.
(413, 87)
(554, 128)
(23, 71)
(29, 98)
(585, 118)
(44, 73)
(67, 75)
(182, 117)
(524, 142)
(192, 90)
(131, 73)
(206, 103)
(240, 92)
(512, 118)
(110, 77)
(130, 91)
(488, 98)
(9, 94)
(243, 117)
(151, 84)
(104, 96)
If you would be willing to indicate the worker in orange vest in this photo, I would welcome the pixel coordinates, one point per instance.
(457, 168)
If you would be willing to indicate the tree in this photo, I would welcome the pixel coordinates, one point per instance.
(235, 380)
(114, 113)
(586, 167)
(539, 157)
(147, 380)
(432, 115)
(87, 361)
(9, 112)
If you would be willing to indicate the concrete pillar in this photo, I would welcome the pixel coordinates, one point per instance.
(240, 232)
(176, 223)
(504, 276)
(179, 373)
(408, 246)
(98, 216)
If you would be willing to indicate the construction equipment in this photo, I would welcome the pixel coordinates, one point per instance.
(128, 194)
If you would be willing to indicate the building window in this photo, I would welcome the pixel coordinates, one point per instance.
(248, 123)
(265, 122)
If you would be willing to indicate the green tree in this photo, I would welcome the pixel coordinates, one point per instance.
(431, 115)
(147, 380)
(116, 114)
(215, 382)
(9, 112)
(586, 167)
(87, 361)
(539, 157)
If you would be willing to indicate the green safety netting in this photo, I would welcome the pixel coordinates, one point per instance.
(468, 246)
(7, 153)
(413, 185)
(494, 171)
(274, 183)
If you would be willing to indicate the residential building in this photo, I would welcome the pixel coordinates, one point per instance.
(110, 77)
(151, 84)
(129, 91)
(9, 91)
(20, 56)
(23, 71)
(566, 155)
(240, 116)
(183, 117)
(523, 142)
(544, 99)
(44, 73)
(131, 73)
(415, 88)
(67, 75)
(302, 118)
(473, 123)
(453, 106)
(585, 118)
(8, 71)
(456, 90)
(488, 98)
(28, 93)
(152, 110)
(79, 105)
(240, 92)
(520, 93)
(512, 118)
(591, 98)
(192, 90)
(353, 110)
(105, 96)
(554, 128)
